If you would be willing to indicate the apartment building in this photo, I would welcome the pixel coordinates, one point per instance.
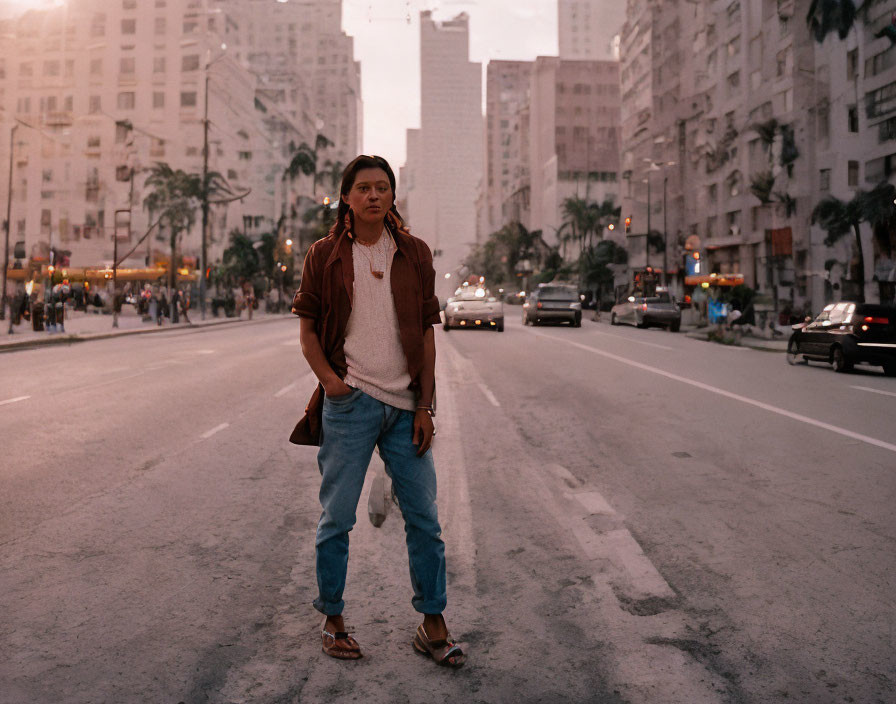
(854, 113)
(97, 88)
(445, 162)
(507, 153)
(589, 29)
(574, 123)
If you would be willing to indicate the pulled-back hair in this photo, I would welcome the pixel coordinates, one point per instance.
(359, 163)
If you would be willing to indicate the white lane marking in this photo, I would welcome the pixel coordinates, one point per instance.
(489, 395)
(14, 400)
(874, 391)
(285, 390)
(593, 502)
(206, 435)
(629, 339)
(203, 351)
(727, 394)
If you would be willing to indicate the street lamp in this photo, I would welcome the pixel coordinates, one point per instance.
(204, 250)
(6, 300)
(658, 166)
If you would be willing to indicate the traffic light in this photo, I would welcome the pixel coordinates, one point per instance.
(628, 223)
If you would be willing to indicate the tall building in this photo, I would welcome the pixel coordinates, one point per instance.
(589, 28)
(574, 120)
(507, 153)
(445, 157)
(96, 89)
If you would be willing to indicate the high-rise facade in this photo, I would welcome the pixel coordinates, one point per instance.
(507, 153)
(589, 29)
(445, 165)
(574, 120)
(96, 88)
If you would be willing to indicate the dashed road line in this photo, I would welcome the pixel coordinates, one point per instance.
(489, 395)
(874, 391)
(629, 339)
(217, 429)
(14, 400)
(727, 394)
(285, 390)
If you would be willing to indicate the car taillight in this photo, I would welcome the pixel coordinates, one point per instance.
(644, 307)
(539, 305)
(876, 321)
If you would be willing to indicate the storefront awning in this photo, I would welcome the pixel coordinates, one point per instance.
(714, 280)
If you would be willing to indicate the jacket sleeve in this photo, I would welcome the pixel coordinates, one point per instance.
(307, 301)
(430, 300)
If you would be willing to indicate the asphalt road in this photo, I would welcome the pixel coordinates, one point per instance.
(630, 515)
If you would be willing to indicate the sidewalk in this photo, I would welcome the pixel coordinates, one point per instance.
(757, 343)
(81, 326)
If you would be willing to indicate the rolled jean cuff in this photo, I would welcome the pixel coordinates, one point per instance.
(432, 606)
(329, 608)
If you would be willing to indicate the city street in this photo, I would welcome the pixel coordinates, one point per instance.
(630, 516)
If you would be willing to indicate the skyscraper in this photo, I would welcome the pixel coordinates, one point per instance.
(445, 156)
(588, 28)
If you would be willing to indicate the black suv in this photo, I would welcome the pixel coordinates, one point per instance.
(845, 334)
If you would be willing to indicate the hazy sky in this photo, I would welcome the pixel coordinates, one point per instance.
(388, 48)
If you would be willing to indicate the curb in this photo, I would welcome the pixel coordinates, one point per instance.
(15, 345)
(761, 345)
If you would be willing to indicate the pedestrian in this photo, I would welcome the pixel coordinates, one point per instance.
(367, 306)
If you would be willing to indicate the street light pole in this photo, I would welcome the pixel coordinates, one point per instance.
(6, 298)
(204, 254)
(647, 239)
(665, 233)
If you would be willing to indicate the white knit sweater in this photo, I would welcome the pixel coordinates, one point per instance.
(376, 361)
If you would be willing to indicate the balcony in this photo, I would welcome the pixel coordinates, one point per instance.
(59, 118)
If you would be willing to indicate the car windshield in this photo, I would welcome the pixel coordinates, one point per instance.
(663, 297)
(471, 295)
(557, 293)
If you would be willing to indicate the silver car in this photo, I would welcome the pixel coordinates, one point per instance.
(474, 307)
(661, 310)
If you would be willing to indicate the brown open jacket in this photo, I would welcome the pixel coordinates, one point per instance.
(325, 295)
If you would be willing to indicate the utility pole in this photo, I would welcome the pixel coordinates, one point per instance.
(204, 255)
(665, 233)
(647, 239)
(6, 298)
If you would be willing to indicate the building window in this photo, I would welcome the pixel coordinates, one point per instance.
(190, 63)
(824, 180)
(158, 100)
(852, 175)
(26, 69)
(51, 68)
(160, 26)
(69, 103)
(188, 99)
(158, 64)
(129, 26)
(126, 101)
(852, 64)
(128, 4)
(69, 68)
(96, 67)
(93, 142)
(128, 64)
(852, 118)
(94, 105)
(98, 25)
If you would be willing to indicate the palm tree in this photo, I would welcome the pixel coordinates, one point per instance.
(826, 16)
(174, 196)
(305, 161)
(839, 218)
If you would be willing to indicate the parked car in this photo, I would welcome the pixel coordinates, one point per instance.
(661, 310)
(473, 307)
(554, 302)
(846, 334)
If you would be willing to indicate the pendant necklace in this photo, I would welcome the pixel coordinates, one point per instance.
(367, 249)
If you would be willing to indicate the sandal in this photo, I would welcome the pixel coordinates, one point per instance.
(329, 645)
(444, 652)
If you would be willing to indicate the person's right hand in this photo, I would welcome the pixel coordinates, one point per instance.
(337, 388)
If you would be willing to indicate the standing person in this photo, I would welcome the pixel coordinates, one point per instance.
(367, 306)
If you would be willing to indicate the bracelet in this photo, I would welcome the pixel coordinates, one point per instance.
(428, 409)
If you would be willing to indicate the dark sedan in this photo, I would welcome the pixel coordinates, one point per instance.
(554, 303)
(846, 334)
(661, 310)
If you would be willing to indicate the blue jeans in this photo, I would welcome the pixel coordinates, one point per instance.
(352, 426)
